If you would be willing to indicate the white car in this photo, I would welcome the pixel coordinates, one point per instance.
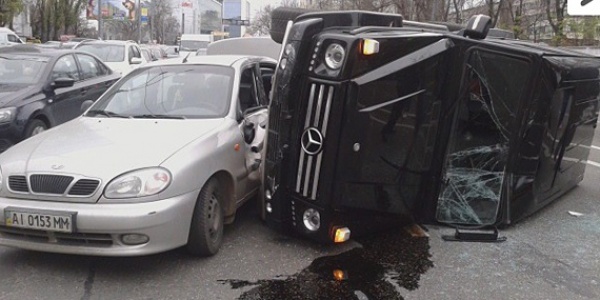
(9, 37)
(161, 160)
(120, 56)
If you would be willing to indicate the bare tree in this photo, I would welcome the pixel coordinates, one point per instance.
(8, 10)
(555, 12)
(261, 23)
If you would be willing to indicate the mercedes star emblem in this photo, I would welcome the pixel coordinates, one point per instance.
(312, 141)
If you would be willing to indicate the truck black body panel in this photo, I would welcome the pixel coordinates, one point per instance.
(434, 128)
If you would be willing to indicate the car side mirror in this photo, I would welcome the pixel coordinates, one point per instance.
(62, 82)
(135, 60)
(85, 105)
(248, 132)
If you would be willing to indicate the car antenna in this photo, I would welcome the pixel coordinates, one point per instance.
(185, 59)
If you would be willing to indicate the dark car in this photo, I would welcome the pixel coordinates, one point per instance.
(41, 88)
(375, 118)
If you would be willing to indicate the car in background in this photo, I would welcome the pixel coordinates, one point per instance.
(42, 88)
(163, 159)
(120, 56)
(263, 46)
(9, 37)
(172, 51)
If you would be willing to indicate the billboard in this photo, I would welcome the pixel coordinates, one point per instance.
(112, 9)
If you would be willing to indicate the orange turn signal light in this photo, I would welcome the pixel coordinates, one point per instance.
(341, 235)
(370, 46)
(339, 275)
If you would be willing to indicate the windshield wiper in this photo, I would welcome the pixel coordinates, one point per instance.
(148, 116)
(109, 114)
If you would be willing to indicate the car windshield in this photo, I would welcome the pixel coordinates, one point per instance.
(107, 53)
(193, 45)
(20, 69)
(182, 91)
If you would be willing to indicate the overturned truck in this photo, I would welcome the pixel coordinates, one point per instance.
(376, 118)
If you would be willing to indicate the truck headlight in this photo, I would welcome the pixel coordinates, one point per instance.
(334, 56)
(7, 114)
(139, 183)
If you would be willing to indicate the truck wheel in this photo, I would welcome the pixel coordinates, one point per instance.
(279, 18)
(206, 230)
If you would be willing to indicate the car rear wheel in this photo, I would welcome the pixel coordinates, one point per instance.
(206, 231)
(34, 127)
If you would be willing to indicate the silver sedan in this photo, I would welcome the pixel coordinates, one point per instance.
(163, 159)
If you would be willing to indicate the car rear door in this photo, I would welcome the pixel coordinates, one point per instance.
(96, 77)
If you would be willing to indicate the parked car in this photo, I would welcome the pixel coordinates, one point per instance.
(120, 56)
(163, 159)
(9, 37)
(42, 88)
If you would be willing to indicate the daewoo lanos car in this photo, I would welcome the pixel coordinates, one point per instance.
(163, 159)
(42, 88)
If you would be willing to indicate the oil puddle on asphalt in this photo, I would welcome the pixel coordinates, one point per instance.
(385, 265)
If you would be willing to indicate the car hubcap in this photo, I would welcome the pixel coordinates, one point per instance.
(214, 217)
(37, 130)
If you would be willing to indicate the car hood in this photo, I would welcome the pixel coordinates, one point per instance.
(11, 92)
(104, 147)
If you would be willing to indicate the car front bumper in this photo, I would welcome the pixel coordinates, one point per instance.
(100, 226)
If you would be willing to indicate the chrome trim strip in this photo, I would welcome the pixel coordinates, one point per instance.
(318, 110)
(380, 105)
(320, 156)
(306, 124)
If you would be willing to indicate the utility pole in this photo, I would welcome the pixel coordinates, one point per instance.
(139, 17)
(182, 23)
(100, 16)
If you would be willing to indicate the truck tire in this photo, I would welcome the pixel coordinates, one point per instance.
(279, 18)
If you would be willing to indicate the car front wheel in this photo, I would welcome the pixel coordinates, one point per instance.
(206, 231)
(34, 127)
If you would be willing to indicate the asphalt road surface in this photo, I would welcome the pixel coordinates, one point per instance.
(550, 255)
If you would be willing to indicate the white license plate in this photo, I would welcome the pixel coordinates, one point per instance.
(40, 220)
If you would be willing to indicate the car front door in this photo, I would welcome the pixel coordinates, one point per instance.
(253, 121)
(64, 103)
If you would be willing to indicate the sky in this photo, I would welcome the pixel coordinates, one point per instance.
(256, 5)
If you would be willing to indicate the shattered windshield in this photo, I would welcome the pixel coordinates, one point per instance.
(477, 156)
(182, 91)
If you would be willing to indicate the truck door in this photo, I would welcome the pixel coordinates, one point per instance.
(484, 128)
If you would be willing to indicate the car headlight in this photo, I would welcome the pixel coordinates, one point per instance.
(139, 183)
(7, 114)
(334, 56)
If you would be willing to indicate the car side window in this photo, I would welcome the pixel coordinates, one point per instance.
(247, 96)
(65, 67)
(13, 38)
(90, 67)
(135, 52)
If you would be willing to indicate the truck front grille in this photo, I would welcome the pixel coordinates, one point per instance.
(313, 138)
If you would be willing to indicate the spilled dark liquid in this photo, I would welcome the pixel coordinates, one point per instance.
(386, 263)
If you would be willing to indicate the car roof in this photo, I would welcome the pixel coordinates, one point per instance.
(218, 60)
(33, 50)
(108, 42)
